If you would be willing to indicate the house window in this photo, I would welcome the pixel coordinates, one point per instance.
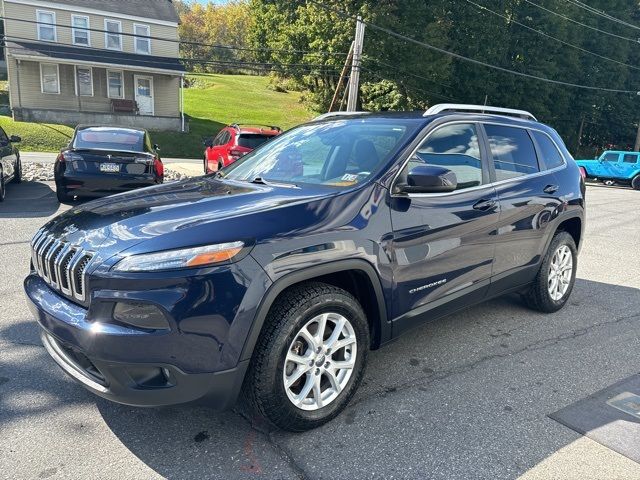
(49, 78)
(142, 40)
(115, 84)
(80, 30)
(84, 81)
(112, 37)
(46, 26)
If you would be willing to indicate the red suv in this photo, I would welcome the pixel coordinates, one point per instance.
(233, 142)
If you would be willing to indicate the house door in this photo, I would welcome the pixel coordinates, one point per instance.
(144, 94)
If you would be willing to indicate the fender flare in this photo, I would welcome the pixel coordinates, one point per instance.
(554, 228)
(309, 274)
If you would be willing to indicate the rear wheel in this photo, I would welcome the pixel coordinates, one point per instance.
(63, 195)
(635, 182)
(556, 277)
(310, 357)
(17, 176)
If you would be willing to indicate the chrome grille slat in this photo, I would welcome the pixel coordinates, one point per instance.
(62, 265)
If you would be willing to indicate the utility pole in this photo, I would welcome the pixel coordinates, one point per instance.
(343, 75)
(636, 148)
(354, 79)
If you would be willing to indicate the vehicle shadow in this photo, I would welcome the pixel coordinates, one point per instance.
(456, 388)
(29, 200)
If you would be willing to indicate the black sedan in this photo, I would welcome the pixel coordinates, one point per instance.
(102, 161)
(10, 166)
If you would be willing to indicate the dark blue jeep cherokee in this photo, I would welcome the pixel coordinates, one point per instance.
(272, 279)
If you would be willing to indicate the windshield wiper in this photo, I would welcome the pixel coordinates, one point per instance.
(262, 181)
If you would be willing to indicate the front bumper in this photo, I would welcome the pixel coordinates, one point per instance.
(87, 352)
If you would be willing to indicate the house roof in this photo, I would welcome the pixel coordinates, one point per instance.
(157, 9)
(89, 56)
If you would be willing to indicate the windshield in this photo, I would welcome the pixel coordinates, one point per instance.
(100, 138)
(337, 153)
(252, 140)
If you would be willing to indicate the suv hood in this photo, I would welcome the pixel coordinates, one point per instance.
(112, 224)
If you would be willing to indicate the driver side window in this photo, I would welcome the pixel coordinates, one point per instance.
(454, 147)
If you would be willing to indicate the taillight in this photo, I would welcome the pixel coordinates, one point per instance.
(158, 166)
(61, 158)
(236, 154)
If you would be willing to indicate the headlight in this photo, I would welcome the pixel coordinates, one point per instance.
(184, 258)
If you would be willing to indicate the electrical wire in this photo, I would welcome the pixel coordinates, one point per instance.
(602, 14)
(569, 19)
(177, 40)
(472, 60)
(540, 32)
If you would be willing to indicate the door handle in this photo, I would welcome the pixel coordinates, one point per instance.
(550, 189)
(484, 204)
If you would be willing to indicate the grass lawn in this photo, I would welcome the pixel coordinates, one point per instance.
(210, 103)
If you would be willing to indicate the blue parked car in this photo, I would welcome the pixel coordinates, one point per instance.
(622, 167)
(271, 279)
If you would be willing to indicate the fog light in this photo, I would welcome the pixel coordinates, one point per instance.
(141, 315)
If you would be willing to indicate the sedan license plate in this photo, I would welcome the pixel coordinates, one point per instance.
(109, 167)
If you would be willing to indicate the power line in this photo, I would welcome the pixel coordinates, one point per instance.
(569, 19)
(602, 14)
(472, 60)
(164, 62)
(540, 32)
(405, 72)
(439, 95)
(177, 40)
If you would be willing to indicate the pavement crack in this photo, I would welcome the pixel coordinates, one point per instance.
(424, 380)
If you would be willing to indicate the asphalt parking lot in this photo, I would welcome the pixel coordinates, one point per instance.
(464, 397)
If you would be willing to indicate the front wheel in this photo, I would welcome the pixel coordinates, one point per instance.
(635, 182)
(310, 357)
(553, 284)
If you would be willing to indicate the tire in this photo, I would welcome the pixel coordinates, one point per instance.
(3, 189)
(17, 176)
(204, 164)
(635, 182)
(304, 306)
(220, 165)
(540, 296)
(63, 195)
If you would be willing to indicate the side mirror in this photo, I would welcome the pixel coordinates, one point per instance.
(15, 139)
(429, 179)
(208, 142)
(156, 147)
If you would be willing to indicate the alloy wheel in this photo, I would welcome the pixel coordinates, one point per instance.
(560, 272)
(320, 361)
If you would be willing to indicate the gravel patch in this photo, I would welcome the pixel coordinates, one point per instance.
(43, 172)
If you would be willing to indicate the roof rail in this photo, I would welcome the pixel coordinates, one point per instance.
(460, 107)
(337, 114)
(237, 126)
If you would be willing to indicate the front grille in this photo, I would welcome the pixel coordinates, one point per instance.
(62, 265)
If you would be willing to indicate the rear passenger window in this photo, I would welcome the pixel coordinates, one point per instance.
(630, 158)
(512, 151)
(551, 157)
(456, 148)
